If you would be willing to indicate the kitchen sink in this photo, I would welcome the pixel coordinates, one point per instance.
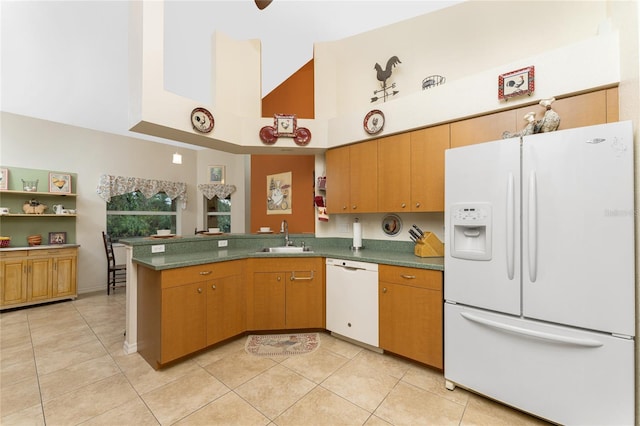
(286, 249)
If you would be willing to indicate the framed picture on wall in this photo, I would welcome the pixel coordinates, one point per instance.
(4, 179)
(216, 174)
(516, 83)
(285, 125)
(60, 183)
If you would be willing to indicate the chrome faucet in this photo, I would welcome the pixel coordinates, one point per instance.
(284, 228)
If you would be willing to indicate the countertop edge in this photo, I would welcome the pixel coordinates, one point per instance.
(172, 261)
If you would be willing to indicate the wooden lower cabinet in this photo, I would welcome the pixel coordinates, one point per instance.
(286, 294)
(184, 310)
(410, 317)
(39, 275)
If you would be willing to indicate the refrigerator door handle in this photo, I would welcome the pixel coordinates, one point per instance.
(533, 227)
(510, 226)
(589, 343)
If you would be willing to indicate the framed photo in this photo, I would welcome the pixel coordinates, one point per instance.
(516, 83)
(216, 174)
(59, 183)
(4, 179)
(285, 125)
(57, 237)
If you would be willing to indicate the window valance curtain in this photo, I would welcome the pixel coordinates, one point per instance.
(110, 186)
(210, 190)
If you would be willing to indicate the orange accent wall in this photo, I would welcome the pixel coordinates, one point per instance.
(301, 219)
(293, 96)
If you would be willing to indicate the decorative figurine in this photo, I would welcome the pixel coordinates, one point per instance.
(551, 120)
(529, 129)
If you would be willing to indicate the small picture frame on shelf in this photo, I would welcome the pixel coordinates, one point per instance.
(216, 174)
(59, 183)
(57, 237)
(285, 125)
(516, 83)
(4, 179)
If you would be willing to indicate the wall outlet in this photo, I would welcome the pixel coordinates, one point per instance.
(157, 248)
(223, 243)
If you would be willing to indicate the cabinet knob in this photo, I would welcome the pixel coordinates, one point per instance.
(199, 290)
(279, 278)
(205, 272)
(354, 207)
(344, 207)
(213, 286)
(417, 204)
(403, 205)
(384, 289)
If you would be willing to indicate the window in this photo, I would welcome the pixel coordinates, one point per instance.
(133, 215)
(218, 213)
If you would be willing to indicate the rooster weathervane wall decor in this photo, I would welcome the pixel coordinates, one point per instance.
(383, 75)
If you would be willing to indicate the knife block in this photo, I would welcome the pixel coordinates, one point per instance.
(429, 246)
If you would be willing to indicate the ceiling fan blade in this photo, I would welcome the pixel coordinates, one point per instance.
(262, 3)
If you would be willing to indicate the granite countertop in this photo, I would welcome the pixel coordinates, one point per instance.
(242, 247)
(40, 247)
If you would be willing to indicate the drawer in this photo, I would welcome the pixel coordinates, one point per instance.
(188, 274)
(423, 278)
(53, 252)
(12, 254)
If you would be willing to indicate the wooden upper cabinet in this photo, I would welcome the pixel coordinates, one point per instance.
(363, 160)
(483, 129)
(613, 105)
(338, 180)
(394, 173)
(352, 178)
(427, 168)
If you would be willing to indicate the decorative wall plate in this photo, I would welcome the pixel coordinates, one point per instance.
(268, 135)
(373, 122)
(302, 137)
(202, 120)
(391, 224)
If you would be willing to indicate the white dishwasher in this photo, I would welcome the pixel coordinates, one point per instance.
(352, 299)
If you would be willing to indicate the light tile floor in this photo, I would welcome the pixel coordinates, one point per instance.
(63, 364)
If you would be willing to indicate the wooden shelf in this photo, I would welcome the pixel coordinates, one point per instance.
(37, 215)
(56, 194)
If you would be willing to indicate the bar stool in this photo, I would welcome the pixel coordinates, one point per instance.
(116, 274)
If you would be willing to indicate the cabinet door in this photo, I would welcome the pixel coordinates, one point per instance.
(411, 322)
(305, 299)
(64, 276)
(40, 277)
(394, 173)
(363, 160)
(226, 312)
(13, 277)
(183, 320)
(338, 180)
(267, 310)
(427, 168)
(483, 129)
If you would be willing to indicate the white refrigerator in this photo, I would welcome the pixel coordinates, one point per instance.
(539, 273)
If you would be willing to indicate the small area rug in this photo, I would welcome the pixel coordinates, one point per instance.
(282, 344)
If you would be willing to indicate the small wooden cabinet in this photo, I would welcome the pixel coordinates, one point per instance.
(183, 310)
(38, 275)
(286, 293)
(352, 178)
(410, 316)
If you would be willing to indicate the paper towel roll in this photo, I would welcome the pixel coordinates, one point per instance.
(357, 235)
